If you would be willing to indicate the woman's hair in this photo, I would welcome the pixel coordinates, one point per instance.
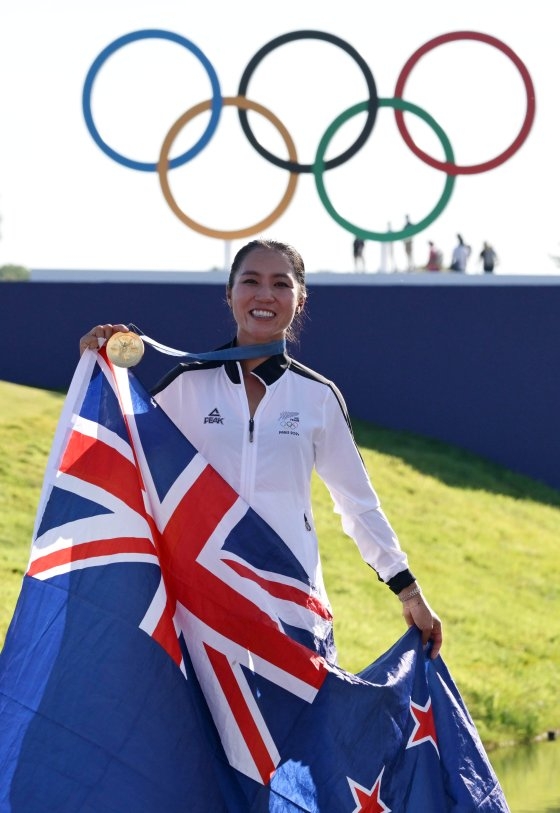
(294, 258)
(290, 253)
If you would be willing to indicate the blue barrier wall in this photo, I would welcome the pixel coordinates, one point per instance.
(472, 365)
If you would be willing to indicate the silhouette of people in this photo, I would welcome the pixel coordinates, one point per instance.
(488, 257)
(387, 263)
(435, 257)
(358, 249)
(408, 247)
(460, 256)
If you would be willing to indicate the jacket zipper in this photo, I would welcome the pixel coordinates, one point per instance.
(251, 429)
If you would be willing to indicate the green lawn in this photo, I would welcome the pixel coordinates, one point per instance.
(482, 541)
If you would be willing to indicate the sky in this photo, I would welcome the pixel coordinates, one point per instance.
(66, 204)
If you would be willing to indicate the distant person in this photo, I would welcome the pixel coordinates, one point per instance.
(460, 256)
(387, 263)
(358, 248)
(435, 257)
(408, 247)
(488, 257)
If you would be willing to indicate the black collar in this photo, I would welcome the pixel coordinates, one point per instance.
(269, 371)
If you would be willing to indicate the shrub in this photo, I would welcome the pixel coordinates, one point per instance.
(10, 273)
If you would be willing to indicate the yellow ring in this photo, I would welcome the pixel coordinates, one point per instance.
(163, 165)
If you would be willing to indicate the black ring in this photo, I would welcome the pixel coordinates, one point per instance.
(373, 101)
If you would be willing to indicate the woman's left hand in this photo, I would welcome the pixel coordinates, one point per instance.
(417, 611)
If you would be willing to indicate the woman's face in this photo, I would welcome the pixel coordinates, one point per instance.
(264, 297)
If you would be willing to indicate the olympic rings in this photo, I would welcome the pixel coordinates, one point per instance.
(448, 166)
(371, 107)
(242, 103)
(408, 231)
(125, 40)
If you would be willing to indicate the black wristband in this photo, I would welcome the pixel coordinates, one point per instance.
(400, 581)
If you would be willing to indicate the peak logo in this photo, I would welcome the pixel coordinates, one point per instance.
(214, 417)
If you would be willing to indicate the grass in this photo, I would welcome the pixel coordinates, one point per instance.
(482, 541)
(28, 419)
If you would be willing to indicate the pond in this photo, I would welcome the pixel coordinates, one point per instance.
(530, 776)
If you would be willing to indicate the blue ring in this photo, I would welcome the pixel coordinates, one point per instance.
(151, 33)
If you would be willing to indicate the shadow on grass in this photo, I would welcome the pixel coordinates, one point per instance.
(451, 465)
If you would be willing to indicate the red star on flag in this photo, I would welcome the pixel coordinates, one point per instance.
(424, 725)
(368, 800)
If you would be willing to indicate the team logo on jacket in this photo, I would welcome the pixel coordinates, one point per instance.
(289, 423)
(214, 417)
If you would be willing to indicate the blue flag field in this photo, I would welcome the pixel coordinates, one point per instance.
(165, 652)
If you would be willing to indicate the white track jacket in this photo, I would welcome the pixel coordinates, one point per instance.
(301, 423)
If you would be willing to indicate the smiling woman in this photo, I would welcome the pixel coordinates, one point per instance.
(279, 421)
(265, 422)
(266, 291)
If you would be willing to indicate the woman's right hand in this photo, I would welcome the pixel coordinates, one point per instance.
(90, 340)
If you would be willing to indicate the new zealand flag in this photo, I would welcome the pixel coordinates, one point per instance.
(167, 652)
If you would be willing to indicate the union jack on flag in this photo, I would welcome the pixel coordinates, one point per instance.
(168, 653)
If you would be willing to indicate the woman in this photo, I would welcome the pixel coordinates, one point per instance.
(434, 258)
(265, 423)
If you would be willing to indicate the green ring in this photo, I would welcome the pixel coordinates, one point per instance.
(319, 166)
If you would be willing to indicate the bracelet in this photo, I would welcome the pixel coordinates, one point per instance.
(416, 592)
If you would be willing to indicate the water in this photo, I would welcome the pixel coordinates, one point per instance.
(530, 776)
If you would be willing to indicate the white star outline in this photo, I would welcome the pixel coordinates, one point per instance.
(417, 724)
(354, 786)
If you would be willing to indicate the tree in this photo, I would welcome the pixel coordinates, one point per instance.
(12, 273)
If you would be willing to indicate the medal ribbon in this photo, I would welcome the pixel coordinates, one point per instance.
(249, 351)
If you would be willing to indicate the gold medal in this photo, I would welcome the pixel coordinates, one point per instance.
(125, 349)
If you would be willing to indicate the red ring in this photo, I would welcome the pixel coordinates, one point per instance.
(448, 166)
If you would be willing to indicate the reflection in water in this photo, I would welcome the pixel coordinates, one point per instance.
(530, 776)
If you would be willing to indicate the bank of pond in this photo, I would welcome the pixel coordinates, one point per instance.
(530, 776)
